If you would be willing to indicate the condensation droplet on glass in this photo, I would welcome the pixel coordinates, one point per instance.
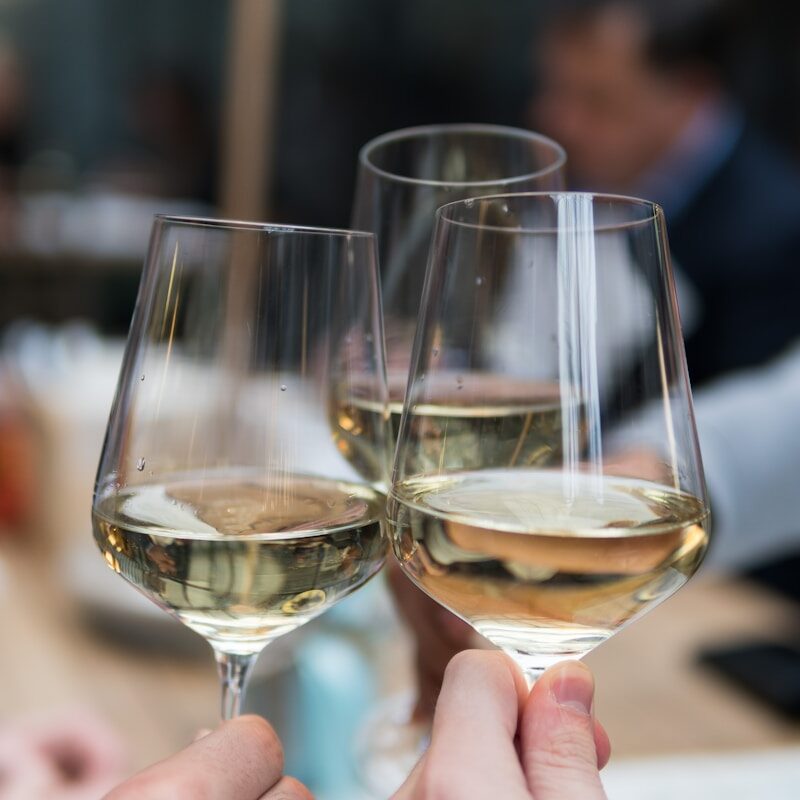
(504, 208)
(141, 377)
(283, 387)
(479, 281)
(469, 202)
(140, 464)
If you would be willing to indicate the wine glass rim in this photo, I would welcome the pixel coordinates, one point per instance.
(419, 131)
(270, 227)
(655, 210)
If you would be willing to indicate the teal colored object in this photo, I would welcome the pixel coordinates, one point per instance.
(336, 689)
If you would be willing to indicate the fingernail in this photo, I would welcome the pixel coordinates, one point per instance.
(203, 732)
(573, 687)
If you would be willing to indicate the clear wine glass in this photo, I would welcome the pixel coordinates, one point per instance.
(220, 494)
(547, 484)
(403, 177)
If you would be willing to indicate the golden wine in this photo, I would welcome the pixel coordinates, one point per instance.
(242, 560)
(457, 422)
(543, 564)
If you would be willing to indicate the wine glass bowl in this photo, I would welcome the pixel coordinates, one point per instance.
(547, 485)
(405, 175)
(402, 178)
(221, 494)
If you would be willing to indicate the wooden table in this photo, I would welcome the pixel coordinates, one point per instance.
(652, 697)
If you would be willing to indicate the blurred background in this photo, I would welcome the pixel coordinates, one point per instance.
(112, 110)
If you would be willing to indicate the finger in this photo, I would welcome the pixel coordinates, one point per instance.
(288, 789)
(557, 736)
(472, 752)
(603, 745)
(243, 758)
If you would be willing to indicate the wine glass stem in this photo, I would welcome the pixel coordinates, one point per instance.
(533, 665)
(234, 671)
(532, 674)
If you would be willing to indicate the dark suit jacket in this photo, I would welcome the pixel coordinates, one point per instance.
(738, 241)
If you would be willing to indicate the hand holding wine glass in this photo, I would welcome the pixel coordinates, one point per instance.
(507, 743)
(547, 745)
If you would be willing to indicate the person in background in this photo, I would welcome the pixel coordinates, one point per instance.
(637, 92)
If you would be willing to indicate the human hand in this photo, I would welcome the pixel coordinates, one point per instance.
(491, 739)
(241, 760)
(69, 755)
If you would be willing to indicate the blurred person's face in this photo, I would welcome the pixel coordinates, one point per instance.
(615, 114)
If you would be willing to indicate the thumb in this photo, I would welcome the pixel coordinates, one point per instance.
(557, 736)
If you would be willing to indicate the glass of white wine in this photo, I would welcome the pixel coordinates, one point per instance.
(547, 485)
(220, 494)
(403, 177)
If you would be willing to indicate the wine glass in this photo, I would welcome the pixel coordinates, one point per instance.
(547, 484)
(220, 494)
(404, 176)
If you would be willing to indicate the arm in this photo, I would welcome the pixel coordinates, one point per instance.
(750, 442)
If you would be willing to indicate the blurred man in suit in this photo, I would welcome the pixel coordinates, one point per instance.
(636, 92)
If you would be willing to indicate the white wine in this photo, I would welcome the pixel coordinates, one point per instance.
(457, 422)
(238, 559)
(542, 564)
